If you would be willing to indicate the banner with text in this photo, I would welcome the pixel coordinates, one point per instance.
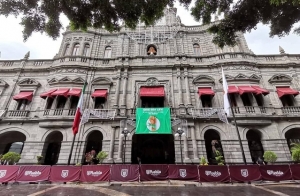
(214, 174)
(95, 173)
(65, 173)
(275, 172)
(8, 173)
(153, 172)
(153, 121)
(33, 173)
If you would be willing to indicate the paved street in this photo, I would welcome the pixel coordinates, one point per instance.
(149, 190)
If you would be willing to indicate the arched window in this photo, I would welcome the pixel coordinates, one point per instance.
(107, 52)
(86, 50)
(66, 51)
(196, 49)
(76, 50)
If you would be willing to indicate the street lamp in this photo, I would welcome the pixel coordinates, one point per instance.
(124, 134)
(180, 133)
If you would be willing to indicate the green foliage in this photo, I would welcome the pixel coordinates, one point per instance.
(270, 157)
(295, 152)
(39, 159)
(78, 164)
(11, 157)
(219, 157)
(101, 156)
(203, 161)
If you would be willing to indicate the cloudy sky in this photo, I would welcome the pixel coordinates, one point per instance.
(43, 47)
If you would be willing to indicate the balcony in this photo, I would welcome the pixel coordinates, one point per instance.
(17, 113)
(59, 112)
(255, 110)
(290, 110)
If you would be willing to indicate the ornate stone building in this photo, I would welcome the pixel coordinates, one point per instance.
(167, 65)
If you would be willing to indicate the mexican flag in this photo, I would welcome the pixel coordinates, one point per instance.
(79, 112)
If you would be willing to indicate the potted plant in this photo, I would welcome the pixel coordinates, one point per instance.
(203, 161)
(295, 152)
(11, 158)
(219, 157)
(101, 156)
(39, 159)
(270, 157)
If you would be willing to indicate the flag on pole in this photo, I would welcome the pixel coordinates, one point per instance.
(225, 90)
(79, 112)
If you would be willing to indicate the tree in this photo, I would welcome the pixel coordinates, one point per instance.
(239, 16)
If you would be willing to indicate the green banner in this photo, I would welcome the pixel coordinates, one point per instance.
(153, 121)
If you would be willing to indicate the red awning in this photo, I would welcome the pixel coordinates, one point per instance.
(246, 89)
(61, 91)
(75, 92)
(205, 91)
(233, 89)
(47, 93)
(24, 95)
(281, 91)
(157, 91)
(260, 90)
(100, 93)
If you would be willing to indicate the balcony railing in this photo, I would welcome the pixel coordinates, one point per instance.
(252, 110)
(291, 110)
(59, 112)
(18, 113)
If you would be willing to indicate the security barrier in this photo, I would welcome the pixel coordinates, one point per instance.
(133, 173)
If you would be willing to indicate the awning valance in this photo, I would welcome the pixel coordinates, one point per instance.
(100, 93)
(246, 89)
(157, 91)
(75, 92)
(281, 91)
(233, 89)
(260, 90)
(205, 91)
(61, 91)
(47, 93)
(24, 95)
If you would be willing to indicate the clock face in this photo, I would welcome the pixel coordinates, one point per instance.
(166, 28)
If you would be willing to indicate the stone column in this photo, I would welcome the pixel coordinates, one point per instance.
(179, 87)
(123, 100)
(181, 42)
(175, 46)
(120, 149)
(112, 143)
(187, 87)
(117, 92)
(194, 141)
(185, 149)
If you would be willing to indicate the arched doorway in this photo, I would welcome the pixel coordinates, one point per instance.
(12, 141)
(153, 149)
(52, 147)
(94, 142)
(212, 143)
(292, 136)
(255, 145)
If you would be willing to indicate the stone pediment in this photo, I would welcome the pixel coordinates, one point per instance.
(203, 79)
(242, 77)
(66, 80)
(27, 82)
(152, 82)
(280, 78)
(102, 81)
(3, 83)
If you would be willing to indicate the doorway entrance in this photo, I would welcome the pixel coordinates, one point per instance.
(52, 147)
(153, 149)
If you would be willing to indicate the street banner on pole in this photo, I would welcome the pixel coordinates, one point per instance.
(153, 121)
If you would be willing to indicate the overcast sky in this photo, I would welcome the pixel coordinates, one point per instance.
(43, 47)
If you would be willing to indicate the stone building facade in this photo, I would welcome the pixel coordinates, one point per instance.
(38, 97)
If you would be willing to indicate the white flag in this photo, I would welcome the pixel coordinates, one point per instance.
(225, 89)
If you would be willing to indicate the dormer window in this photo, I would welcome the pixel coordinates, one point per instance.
(196, 49)
(107, 52)
(76, 50)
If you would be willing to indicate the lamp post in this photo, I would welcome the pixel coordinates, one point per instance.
(124, 134)
(180, 133)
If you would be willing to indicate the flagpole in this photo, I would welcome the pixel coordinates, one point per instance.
(71, 151)
(237, 130)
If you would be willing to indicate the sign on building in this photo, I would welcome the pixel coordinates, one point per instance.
(153, 121)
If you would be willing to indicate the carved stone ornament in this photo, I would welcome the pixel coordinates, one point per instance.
(152, 82)
(195, 39)
(88, 39)
(108, 41)
(240, 67)
(71, 70)
(203, 79)
(102, 81)
(68, 39)
(66, 80)
(28, 82)
(242, 77)
(27, 55)
(281, 50)
(280, 78)
(3, 83)
(77, 38)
